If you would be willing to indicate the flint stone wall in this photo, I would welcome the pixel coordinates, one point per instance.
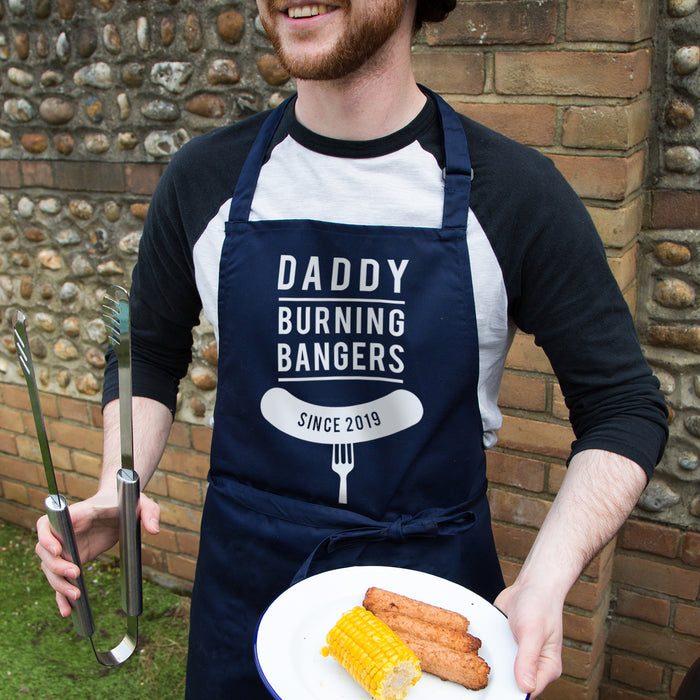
(669, 277)
(87, 85)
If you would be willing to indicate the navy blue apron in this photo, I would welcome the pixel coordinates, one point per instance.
(347, 428)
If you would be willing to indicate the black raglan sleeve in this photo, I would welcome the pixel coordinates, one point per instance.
(165, 303)
(561, 289)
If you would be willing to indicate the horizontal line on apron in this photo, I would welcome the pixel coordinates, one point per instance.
(339, 378)
(338, 300)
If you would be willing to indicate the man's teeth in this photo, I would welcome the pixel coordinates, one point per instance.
(308, 11)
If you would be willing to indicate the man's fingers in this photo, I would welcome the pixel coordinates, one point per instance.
(64, 607)
(150, 515)
(535, 666)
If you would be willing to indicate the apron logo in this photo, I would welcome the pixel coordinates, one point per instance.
(345, 321)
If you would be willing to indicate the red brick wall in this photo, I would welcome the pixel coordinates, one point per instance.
(573, 79)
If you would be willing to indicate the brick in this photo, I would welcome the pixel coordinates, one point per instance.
(78, 437)
(587, 593)
(525, 355)
(87, 176)
(675, 209)
(9, 174)
(513, 470)
(579, 661)
(512, 541)
(73, 409)
(79, 487)
(90, 465)
(642, 607)
(585, 628)
(142, 178)
(610, 20)
(650, 537)
(536, 437)
(180, 516)
(49, 405)
(61, 457)
(528, 393)
(638, 673)
(624, 267)
(618, 226)
(450, 72)
(496, 22)
(188, 543)
(605, 126)
(165, 539)
(152, 558)
(179, 435)
(530, 124)
(16, 397)
(660, 645)
(676, 680)
(602, 177)
(517, 509)
(13, 491)
(557, 472)
(510, 570)
(96, 415)
(181, 566)
(187, 490)
(28, 448)
(201, 438)
(654, 576)
(568, 689)
(19, 515)
(36, 174)
(21, 470)
(609, 692)
(687, 619)
(559, 407)
(7, 442)
(585, 73)
(11, 420)
(185, 463)
(37, 497)
(157, 485)
(601, 561)
(690, 552)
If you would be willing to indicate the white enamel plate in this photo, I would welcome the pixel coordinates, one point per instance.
(292, 633)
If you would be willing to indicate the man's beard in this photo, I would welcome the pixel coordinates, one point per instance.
(364, 37)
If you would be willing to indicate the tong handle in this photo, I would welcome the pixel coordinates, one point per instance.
(128, 491)
(62, 526)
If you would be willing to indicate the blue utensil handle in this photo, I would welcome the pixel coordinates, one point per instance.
(128, 491)
(62, 526)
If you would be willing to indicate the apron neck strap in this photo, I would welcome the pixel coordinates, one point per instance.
(457, 172)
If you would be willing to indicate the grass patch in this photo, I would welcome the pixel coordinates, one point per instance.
(42, 657)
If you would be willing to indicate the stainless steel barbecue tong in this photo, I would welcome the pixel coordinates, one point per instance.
(116, 315)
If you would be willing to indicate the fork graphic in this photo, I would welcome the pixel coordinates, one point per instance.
(342, 464)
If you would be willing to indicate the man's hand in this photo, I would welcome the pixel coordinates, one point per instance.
(536, 624)
(599, 491)
(96, 527)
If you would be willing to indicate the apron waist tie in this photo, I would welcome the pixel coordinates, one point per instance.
(348, 527)
(432, 522)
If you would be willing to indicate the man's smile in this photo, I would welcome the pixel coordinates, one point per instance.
(302, 11)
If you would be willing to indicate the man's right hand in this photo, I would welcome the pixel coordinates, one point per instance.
(96, 526)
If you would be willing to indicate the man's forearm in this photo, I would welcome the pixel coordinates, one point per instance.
(598, 493)
(151, 426)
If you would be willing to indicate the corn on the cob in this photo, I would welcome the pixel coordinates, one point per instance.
(373, 655)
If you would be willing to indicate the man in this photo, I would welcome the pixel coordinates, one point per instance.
(364, 255)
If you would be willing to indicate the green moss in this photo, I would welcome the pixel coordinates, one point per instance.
(42, 657)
